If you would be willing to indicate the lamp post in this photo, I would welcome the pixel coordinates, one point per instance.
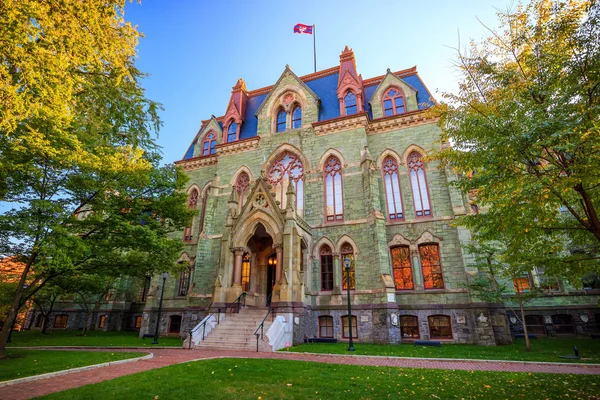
(162, 291)
(347, 263)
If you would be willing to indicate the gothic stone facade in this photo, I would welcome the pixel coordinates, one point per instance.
(299, 177)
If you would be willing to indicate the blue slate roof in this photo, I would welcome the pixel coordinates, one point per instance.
(326, 89)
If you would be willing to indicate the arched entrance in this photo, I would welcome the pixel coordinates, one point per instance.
(261, 270)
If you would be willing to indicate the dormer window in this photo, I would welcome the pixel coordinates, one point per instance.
(350, 103)
(232, 132)
(297, 117)
(208, 145)
(393, 102)
(281, 116)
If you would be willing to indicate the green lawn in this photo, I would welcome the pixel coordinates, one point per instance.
(281, 379)
(22, 363)
(92, 338)
(541, 350)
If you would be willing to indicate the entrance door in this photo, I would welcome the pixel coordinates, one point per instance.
(271, 275)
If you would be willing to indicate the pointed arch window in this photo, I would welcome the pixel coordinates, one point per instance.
(184, 282)
(281, 116)
(431, 266)
(241, 186)
(232, 132)
(326, 268)
(418, 183)
(285, 169)
(297, 117)
(391, 182)
(348, 278)
(246, 272)
(208, 144)
(334, 203)
(402, 268)
(393, 102)
(192, 204)
(350, 103)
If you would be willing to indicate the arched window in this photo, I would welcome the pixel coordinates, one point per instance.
(409, 327)
(334, 203)
(192, 204)
(439, 327)
(281, 116)
(391, 182)
(402, 268)
(418, 184)
(431, 266)
(232, 132)
(209, 143)
(241, 186)
(184, 282)
(325, 326)
(350, 103)
(174, 323)
(393, 102)
(285, 169)
(246, 272)
(203, 210)
(348, 278)
(297, 117)
(326, 268)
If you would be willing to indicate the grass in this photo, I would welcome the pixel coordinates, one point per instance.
(548, 349)
(283, 379)
(92, 338)
(22, 363)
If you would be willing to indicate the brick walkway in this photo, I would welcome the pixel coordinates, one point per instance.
(165, 357)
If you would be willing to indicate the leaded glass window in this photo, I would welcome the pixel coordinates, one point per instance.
(209, 144)
(285, 169)
(393, 102)
(391, 182)
(281, 116)
(348, 277)
(416, 168)
(402, 268)
(297, 117)
(232, 132)
(350, 103)
(334, 203)
(431, 266)
(326, 268)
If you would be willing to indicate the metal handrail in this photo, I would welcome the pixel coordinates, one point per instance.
(261, 327)
(238, 301)
(203, 325)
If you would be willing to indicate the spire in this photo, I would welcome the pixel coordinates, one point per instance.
(349, 80)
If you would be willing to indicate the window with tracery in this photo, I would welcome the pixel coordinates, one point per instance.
(241, 186)
(232, 132)
(393, 102)
(285, 169)
(334, 203)
(326, 268)
(350, 103)
(208, 145)
(297, 117)
(391, 182)
(281, 116)
(192, 204)
(184, 282)
(246, 272)
(348, 277)
(402, 268)
(431, 266)
(418, 182)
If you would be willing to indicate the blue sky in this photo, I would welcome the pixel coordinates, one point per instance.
(195, 50)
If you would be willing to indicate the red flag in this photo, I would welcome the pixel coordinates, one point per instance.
(301, 28)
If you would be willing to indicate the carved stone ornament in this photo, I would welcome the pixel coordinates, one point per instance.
(288, 98)
(260, 201)
(394, 318)
(482, 319)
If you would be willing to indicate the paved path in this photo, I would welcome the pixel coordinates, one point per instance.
(164, 357)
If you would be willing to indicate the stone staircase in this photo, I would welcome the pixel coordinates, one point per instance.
(236, 331)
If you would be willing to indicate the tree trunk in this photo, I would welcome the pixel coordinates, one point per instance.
(14, 308)
(527, 344)
(47, 316)
(86, 322)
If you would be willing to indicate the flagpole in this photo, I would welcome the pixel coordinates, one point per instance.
(315, 46)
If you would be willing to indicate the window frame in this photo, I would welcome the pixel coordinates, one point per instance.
(404, 267)
(228, 133)
(280, 126)
(184, 281)
(323, 318)
(171, 317)
(350, 106)
(392, 99)
(420, 192)
(348, 250)
(277, 164)
(429, 325)
(416, 326)
(61, 316)
(439, 258)
(210, 141)
(346, 327)
(385, 170)
(297, 121)
(335, 217)
(326, 251)
(242, 184)
(246, 272)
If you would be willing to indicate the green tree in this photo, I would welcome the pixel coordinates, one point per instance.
(79, 168)
(524, 130)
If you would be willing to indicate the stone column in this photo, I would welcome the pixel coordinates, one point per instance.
(238, 253)
(279, 266)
